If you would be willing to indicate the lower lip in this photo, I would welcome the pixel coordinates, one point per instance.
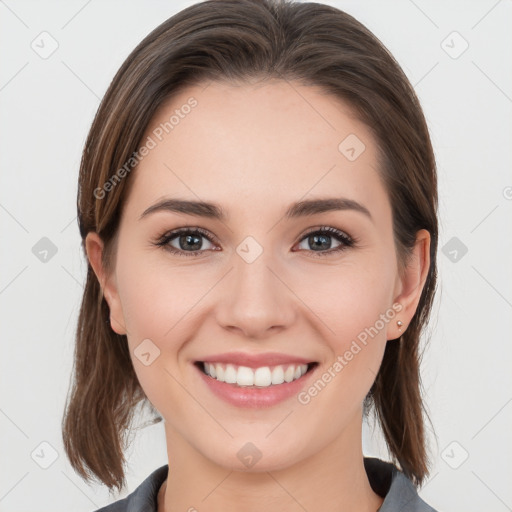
(255, 397)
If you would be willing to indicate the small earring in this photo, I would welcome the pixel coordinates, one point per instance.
(400, 324)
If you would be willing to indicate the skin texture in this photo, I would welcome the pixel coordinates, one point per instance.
(255, 149)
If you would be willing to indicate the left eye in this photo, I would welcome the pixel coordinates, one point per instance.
(321, 238)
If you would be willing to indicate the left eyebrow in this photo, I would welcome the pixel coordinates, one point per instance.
(316, 206)
(299, 209)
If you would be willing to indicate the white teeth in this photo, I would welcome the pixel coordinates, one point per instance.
(278, 375)
(260, 377)
(288, 374)
(230, 374)
(244, 376)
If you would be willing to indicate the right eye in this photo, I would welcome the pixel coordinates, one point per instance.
(185, 238)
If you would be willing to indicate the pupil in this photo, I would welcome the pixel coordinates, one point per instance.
(325, 238)
(188, 238)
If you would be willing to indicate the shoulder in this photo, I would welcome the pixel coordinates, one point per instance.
(390, 483)
(143, 498)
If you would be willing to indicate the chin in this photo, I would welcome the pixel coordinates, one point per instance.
(256, 456)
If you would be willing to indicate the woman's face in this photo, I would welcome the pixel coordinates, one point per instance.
(259, 293)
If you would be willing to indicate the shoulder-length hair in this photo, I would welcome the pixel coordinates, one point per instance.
(239, 40)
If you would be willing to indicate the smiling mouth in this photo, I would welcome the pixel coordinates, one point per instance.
(261, 377)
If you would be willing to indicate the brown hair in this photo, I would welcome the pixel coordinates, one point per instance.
(239, 40)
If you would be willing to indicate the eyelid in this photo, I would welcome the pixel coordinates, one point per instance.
(194, 229)
(329, 229)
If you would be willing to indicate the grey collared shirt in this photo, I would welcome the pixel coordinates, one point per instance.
(399, 493)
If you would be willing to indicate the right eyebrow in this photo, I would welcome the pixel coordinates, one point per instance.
(195, 208)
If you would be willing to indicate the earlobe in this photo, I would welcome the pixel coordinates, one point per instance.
(94, 248)
(411, 283)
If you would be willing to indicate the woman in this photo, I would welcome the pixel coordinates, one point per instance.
(258, 207)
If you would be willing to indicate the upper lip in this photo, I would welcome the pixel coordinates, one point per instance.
(255, 360)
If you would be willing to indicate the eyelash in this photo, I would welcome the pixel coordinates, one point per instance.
(346, 240)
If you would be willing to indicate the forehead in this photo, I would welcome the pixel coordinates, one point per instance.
(250, 143)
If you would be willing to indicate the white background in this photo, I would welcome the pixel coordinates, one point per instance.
(47, 106)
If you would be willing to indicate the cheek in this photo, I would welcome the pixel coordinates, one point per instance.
(157, 302)
(352, 303)
(157, 297)
(349, 299)
(160, 303)
(355, 314)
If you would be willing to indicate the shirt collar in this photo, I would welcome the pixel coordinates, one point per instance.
(386, 480)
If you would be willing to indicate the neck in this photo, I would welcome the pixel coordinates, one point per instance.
(333, 479)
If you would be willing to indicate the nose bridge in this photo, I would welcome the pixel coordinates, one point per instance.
(255, 298)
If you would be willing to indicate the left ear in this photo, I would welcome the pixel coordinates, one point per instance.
(410, 283)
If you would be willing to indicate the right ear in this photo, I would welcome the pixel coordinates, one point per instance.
(94, 248)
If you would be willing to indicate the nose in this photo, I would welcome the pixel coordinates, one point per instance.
(255, 299)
